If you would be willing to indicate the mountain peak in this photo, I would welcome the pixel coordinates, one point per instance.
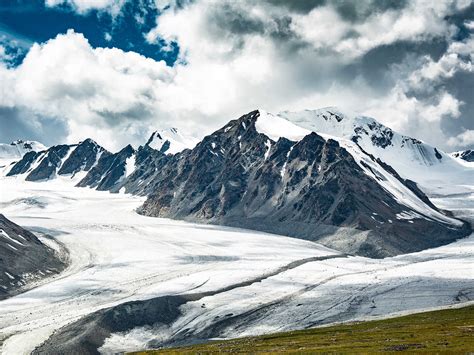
(170, 141)
(18, 148)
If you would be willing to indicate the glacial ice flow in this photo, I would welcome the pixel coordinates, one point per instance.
(117, 256)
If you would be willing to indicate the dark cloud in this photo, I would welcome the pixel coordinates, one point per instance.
(461, 85)
(358, 11)
(351, 10)
(20, 123)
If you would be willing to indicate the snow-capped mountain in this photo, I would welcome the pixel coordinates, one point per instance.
(467, 155)
(171, 141)
(413, 159)
(264, 172)
(18, 148)
(276, 173)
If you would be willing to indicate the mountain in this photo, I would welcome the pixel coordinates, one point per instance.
(354, 187)
(171, 141)
(59, 160)
(433, 169)
(24, 258)
(18, 148)
(467, 155)
(93, 166)
(264, 172)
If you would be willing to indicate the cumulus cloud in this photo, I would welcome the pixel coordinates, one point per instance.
(463, 139)
(104, 93)
(394, 60)
(281, 57)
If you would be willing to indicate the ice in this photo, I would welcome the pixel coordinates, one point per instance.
(118, 255)
(276, 127)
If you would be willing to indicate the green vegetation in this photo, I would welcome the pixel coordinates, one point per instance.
(445, 331)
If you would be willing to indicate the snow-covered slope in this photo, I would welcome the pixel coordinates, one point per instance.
(18, 148)
(430, 167)
(467, 155)
(242, 282)
(171, 141)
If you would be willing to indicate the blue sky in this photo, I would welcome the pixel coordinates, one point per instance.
(25, 22)
(116, 70)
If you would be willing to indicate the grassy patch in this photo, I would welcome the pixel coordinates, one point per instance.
(445, 331)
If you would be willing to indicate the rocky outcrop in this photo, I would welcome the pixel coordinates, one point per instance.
(109, 170)
(467, 155)
(23, 258)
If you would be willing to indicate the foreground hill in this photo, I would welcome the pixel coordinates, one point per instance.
(24, 258)
(445, 331)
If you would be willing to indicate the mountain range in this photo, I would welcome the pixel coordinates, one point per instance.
(343, 180)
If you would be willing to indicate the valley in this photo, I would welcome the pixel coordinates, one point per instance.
(248, 282)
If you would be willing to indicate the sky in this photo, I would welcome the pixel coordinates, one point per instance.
(117, 70)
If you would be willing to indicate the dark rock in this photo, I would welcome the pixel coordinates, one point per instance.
(49, 164)
(23, 258)
(83, 157)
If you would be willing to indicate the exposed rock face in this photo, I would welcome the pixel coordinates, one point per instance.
(308, 189)
(23, 258)
(108, 172)
(59, 160)
(467, 155)
(24, 164)
(82, 158)
(49, 163)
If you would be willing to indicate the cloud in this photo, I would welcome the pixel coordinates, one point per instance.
(21, 123)
(83, 6)
(104, 93)
(282, 56)
(458, 57)
(463, 139)
(400, 62)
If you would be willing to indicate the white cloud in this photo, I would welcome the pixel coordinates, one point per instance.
(83, 6)
(107, 94)
(458, 57)
(469, 24)
(463, 139)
